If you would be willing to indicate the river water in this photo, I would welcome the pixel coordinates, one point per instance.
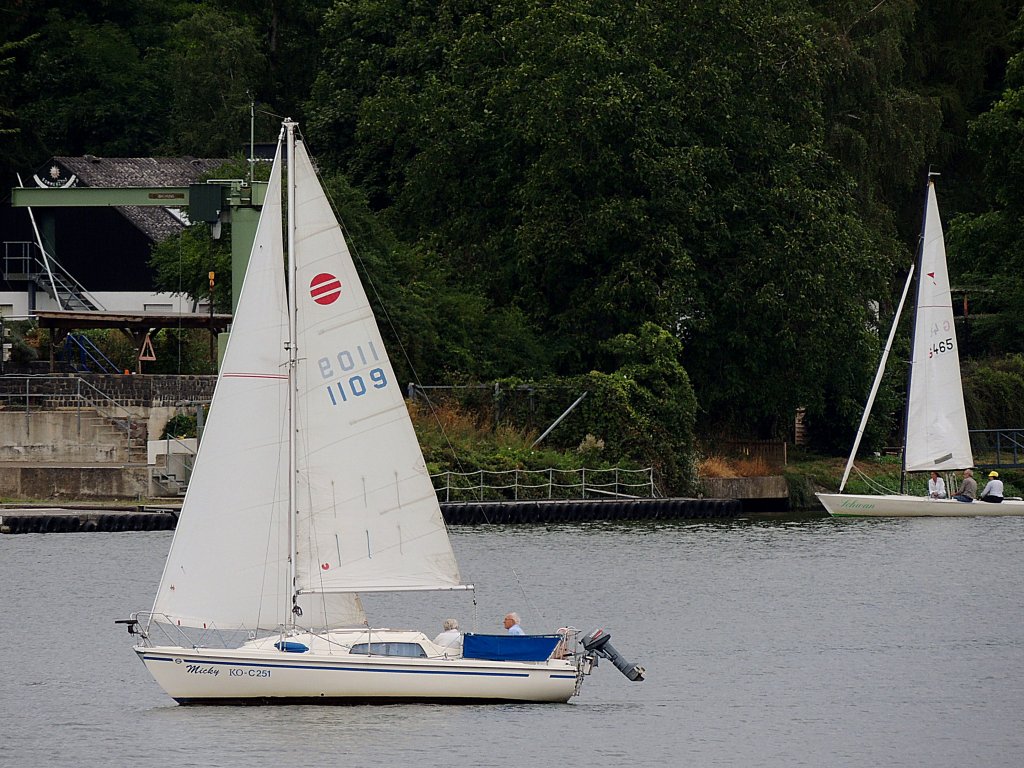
(772, 642)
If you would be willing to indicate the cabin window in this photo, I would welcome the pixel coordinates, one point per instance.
(409, 650)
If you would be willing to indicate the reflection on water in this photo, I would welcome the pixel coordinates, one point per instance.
(779, 641)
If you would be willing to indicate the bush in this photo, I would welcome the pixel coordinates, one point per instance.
(180, 425)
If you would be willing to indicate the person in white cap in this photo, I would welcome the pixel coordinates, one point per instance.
(993, 488)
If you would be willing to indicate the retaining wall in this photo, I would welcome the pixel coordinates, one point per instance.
(64, 482)
(770, 487)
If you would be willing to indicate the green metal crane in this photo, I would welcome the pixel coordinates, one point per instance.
(236, 202)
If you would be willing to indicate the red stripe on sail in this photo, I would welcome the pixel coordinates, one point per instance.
(325, 288)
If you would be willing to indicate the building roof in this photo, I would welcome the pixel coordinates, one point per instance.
(156, 223)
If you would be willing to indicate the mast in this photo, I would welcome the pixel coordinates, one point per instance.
(913, 331)
(293, 610)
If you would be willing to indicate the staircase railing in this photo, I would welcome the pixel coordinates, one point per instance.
(168, 480)
(24, 260)
(82, 348)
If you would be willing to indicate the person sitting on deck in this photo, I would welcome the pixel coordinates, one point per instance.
(936, 487)
(993, 489)
(512, 624)
(451, 637)
(968, 488)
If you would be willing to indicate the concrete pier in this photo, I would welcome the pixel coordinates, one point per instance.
(93, 519)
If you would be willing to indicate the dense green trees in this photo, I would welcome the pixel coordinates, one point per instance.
(526, 181)
(988, 241)
(597, 169)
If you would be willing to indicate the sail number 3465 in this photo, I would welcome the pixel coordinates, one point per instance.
(946, 345)
(356, 384)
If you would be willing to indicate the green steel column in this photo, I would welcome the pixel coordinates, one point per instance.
(46, 220)
(243, 232)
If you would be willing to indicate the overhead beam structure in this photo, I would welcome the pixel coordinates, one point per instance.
(83, 197)
(236, 202)
(135, 325)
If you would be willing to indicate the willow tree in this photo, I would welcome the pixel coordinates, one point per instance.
(600, 167)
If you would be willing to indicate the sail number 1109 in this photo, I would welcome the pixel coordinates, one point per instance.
(356, 384)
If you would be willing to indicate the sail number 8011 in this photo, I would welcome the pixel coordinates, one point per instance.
(357, 384)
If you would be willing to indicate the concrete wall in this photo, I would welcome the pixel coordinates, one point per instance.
(771, 487)
(53, 446)
(62, 482)
(73, 436)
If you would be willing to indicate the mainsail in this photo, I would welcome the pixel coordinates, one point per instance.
(937, 437)
(363, 523)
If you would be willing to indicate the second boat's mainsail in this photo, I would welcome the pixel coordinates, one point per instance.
(937, 437)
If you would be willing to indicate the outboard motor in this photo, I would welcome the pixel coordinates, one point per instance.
(596, 644)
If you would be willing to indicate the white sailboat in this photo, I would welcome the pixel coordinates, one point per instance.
(310, 488)
(936, 437)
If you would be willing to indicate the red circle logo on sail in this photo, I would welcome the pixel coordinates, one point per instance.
(325, 566)
(325, 288)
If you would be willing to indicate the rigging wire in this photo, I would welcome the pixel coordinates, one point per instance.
(526, 597)
(871, 482)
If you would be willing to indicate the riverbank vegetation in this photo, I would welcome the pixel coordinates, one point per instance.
(699, 213)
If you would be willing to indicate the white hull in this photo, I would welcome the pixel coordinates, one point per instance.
(894, 505)
(269, 676)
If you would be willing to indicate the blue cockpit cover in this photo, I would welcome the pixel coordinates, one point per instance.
(508, 647)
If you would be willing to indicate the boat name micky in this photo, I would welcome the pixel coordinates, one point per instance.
(196, 669)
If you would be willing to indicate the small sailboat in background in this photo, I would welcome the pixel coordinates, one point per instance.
(309, 489)
(936, 437)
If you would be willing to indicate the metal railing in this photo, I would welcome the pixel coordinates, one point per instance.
(1006, 444)
(20, 260)
(166, 478)
(81, 354)
(27, 261)
(539, 484)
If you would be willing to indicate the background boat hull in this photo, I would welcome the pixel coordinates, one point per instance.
(894, 505)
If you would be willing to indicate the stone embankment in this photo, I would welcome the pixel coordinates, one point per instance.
(111, 491)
